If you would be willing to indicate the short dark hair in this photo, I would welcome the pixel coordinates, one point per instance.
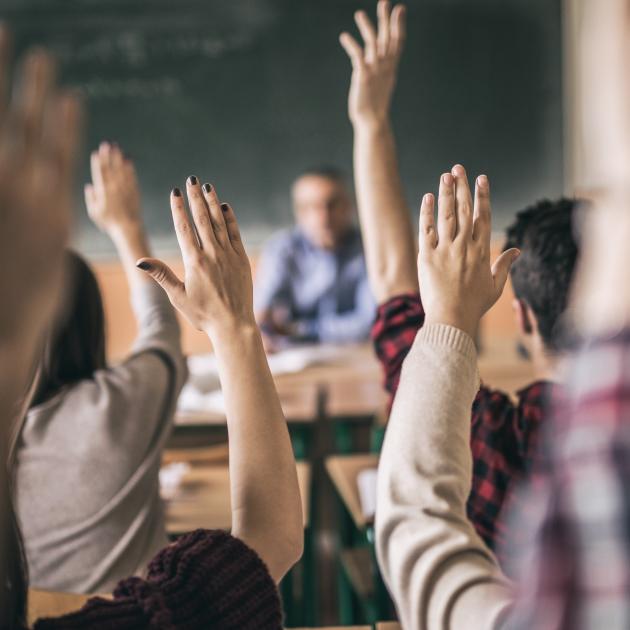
(543, 273)
(76, 347)
(327, 171)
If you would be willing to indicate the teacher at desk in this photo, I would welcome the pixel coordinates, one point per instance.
(311, 283)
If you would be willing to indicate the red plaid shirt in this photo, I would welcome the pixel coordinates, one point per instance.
(504, 435)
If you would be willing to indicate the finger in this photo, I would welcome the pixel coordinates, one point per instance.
(353, 50)
(368, 33)
(5, 56)
(501, 269)
(383, 11)
(96, 170)
(463, 202)
(398, 29)
(116, 157)
(164, 276)
(33, 88)
(216, 215)
(183, 228)
(233, 230)
(200, 214)
(482, 214)
(64, 133)
(447, 219)
(428, 236)
(105, 155)
(90, 197)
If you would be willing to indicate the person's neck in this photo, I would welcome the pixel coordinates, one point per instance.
(546, 365)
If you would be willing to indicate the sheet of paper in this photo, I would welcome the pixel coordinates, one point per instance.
(366, 480)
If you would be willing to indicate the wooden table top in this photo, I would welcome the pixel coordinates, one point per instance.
(344, 470)
(388, 625)
(203, 499)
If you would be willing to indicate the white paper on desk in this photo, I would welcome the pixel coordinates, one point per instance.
(171, 477)
(191, 399)
(366, 480)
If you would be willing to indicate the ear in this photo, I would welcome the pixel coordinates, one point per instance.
(523, 315)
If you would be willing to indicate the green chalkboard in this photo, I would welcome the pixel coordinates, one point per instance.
(246, 93)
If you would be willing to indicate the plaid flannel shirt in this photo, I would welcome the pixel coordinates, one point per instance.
(504, 435)
(575, 566)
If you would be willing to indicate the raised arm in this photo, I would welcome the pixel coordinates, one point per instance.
(216, 297)
(113, 203)
(439, 571)
(385, 220)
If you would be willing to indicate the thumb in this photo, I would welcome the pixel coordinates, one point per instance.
(163, 275)
(501, 268)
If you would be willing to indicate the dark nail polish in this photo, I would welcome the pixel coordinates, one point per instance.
(144, 265)
(177, 192)
(225, 207)
(193, 180)
(207, 188)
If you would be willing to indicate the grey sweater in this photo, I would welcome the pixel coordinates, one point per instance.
(88, 462)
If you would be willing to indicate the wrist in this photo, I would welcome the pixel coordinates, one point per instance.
(467, 324)
(234, 336)
(371, 123)
(126, 228)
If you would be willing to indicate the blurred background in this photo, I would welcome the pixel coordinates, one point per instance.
(246, 93)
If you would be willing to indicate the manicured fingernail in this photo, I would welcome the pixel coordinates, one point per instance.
(482, 181)
(193, 180)
(225, 207)
(177, 192)
(144, 265)
(207, 188)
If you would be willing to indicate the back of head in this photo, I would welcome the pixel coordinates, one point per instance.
(542, 275)
(75, 348)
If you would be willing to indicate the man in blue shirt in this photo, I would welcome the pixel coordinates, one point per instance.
(311, 283)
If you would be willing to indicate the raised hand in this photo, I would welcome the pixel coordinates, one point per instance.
(39, 134)
(457, 282)
(113, 197)
(216, 295)
(375, 65)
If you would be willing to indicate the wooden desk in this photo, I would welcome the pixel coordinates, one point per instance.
(299, 402)
(343, 470)
(388, 625)
(203, 499)
(48, 604)
(336, 628)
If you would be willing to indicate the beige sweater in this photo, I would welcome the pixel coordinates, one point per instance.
(438, 570)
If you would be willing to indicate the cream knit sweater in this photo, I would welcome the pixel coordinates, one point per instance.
(438, 570)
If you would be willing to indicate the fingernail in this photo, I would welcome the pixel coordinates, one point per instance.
(428, 198)
(207, 188)
(193, 180)
(482, 181)
(144, 265)
(225, 207)
(177, 192)
(447, 178)
(458, 169)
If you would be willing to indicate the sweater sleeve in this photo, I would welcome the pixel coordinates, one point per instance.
(440, 573)
(207, 579)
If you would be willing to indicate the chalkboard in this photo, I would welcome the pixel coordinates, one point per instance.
(246, 93)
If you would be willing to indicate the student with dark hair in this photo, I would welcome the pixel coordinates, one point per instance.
(504, 434)
(311, 283)
(207, 579)
(100, 428)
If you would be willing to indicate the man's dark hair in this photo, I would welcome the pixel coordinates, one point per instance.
(542, 275)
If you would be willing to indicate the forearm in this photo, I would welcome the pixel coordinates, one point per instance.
(385, 222)
(131, 243)
(438, 570)
(266, 505)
